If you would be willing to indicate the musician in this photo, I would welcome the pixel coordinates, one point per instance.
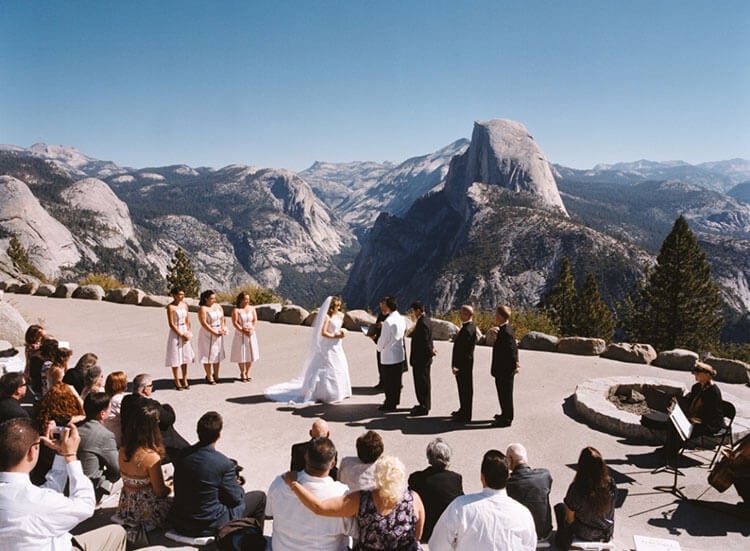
(702, 406)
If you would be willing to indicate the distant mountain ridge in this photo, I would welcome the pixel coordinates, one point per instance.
(484, 222)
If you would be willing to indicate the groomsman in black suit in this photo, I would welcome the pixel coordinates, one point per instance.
(462, 363)
(504, 365)
(420, 358)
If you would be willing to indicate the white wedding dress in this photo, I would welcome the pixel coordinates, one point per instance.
(325, 372)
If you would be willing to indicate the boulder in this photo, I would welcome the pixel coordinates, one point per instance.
(678, 359)
(192, 304)
(227, 307)
(581, 346)
(64, 290)
(155, 300)
(729, 371)
(89, 292)
(442, 330)
(267, 312)
(45, 290)
(536, 340)
(292, 315)
(12, 325)
(355, 320)
(28, 288)
(310, 319)
(134, 296)
(13, 287)
(631, 353)
(489, 338)
(117, 295)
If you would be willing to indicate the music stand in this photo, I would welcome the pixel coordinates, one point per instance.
(684, 429)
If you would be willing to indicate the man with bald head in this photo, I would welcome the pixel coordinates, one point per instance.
(319, 428)
(462, 363)
(34, 517)
(530, 487)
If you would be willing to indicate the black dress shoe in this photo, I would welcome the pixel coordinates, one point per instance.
(387, 407)
(461, 419)
(419, 411)
(501, 423)
(456, 413)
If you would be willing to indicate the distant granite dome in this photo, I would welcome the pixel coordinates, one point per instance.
(503, 153)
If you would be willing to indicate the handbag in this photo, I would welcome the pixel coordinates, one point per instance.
(137, 536)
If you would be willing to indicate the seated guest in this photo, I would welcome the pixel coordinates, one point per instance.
(98, 449)
(74, 375)
(295, 527)
(489, 520)
(143, 386)
(530, 487)
(144, 497)
(39, 363)
(588, 511)
(359, 472)
(388, 517)
(41, 518)
(93, 381)
(319, 428)
(115, 387)
(60, 359)
(12, 391)
(207, 493)
(436, 485)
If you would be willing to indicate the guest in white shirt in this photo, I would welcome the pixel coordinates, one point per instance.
(392, 352)
(488, 520)
(295, 526)
(359, 472)
(40, 518)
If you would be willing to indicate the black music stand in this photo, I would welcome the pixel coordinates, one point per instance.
(684, 429)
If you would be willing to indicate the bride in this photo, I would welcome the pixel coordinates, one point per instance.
(325, 373)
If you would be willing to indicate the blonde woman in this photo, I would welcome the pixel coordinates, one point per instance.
(389, 517)
(211, 335)
(244, 344)
(325, 374)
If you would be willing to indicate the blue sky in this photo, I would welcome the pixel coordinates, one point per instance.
(283, 84)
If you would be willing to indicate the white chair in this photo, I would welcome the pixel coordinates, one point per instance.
(592, 545)
(198, 542)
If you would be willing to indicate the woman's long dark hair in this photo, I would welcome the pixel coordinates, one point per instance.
(593, 480)
(142, 431)
(240, 297)
(204, 297)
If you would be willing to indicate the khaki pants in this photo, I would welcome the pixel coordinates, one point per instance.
(107, 538)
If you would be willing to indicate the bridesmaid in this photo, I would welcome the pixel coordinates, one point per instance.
(211, 335)
(245, 343)
(179, 350)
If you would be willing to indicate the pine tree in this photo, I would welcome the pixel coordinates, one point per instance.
(20, 258)
(595, 319)
(560, 302)
(180, 274)
(681, 304)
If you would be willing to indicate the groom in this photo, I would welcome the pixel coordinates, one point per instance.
(392, 352)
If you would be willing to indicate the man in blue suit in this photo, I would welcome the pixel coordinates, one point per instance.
(207, 493)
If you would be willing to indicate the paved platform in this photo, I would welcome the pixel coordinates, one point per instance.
(259, 433)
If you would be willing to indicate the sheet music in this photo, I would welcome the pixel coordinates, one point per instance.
(645, 543)
(681, 423)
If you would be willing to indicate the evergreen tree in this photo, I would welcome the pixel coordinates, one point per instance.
(20, 258)
(595, 319)
(560, 302)
(681, 304)
(180, 274)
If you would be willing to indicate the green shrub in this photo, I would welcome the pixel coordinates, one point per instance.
(523, 321)
(258, 295)
(105, 281)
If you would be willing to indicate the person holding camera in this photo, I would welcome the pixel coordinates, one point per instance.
(207, 488)
(34, 517)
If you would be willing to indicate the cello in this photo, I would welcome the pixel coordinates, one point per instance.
(734, 466)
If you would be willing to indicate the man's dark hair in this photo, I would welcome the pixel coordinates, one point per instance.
(209, 427)
(495, 469)
(369, 447)
(95, 403)
(16, 437)
(10, 382)
(417, 305)
(391, 303)
(320, 455)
